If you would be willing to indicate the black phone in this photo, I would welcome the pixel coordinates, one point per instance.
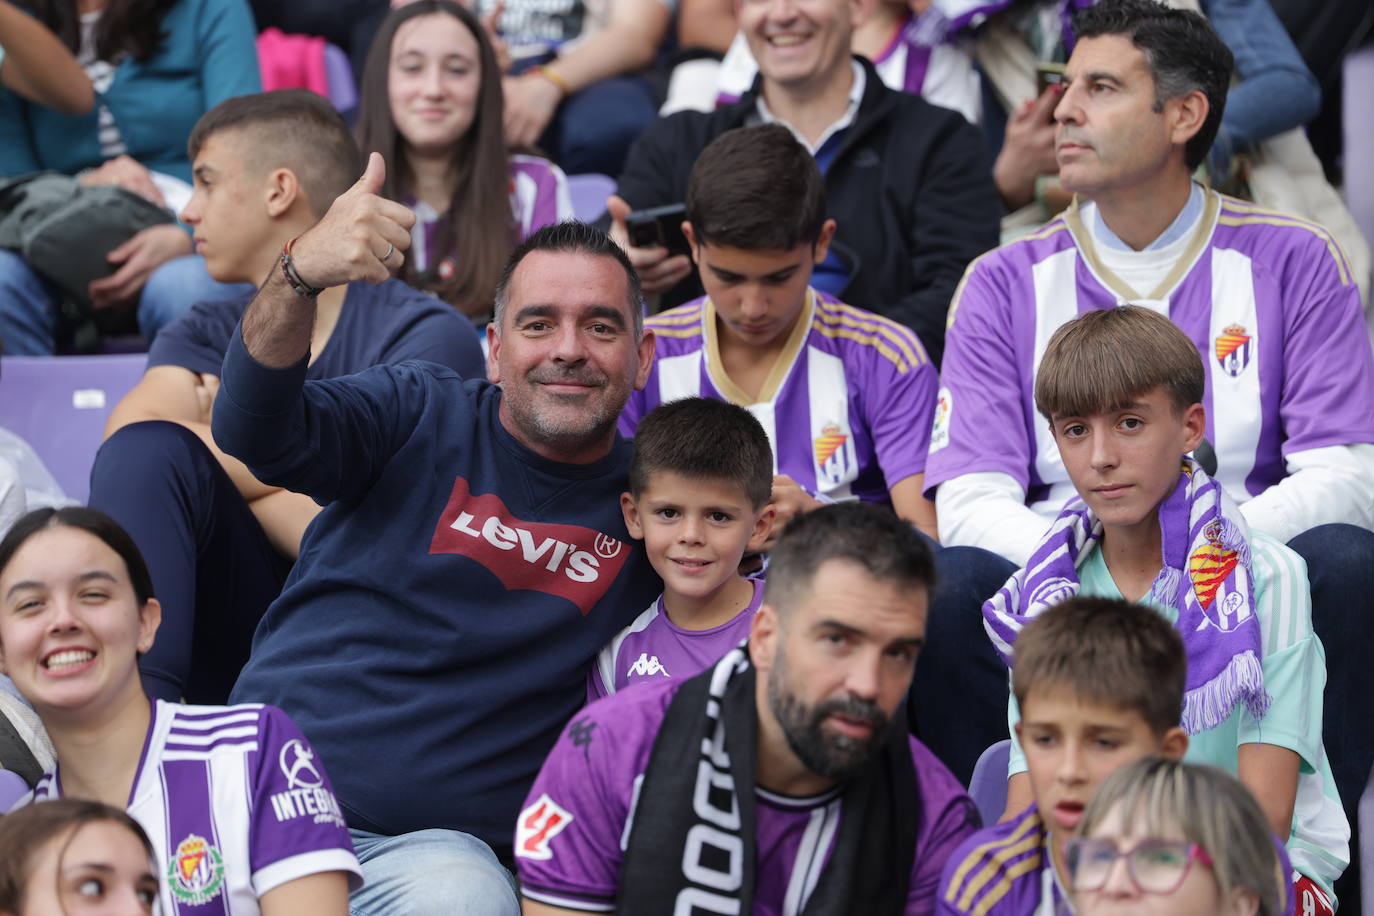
(659, 226)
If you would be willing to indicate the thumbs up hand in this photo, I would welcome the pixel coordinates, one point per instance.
(362, 237)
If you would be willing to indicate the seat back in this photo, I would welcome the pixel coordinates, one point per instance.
(59, 405)
(589, 192)
(988, 786)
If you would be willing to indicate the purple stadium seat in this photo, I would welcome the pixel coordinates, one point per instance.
(12, 788)
(59, 405)
(589, 192)
(339, 74)
(988, 787)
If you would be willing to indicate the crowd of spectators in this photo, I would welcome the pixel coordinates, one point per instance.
(425, 571)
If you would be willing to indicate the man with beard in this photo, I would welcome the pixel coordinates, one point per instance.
(774, 781)
(471, 559)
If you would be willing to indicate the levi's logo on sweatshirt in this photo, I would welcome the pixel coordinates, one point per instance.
(569, 561)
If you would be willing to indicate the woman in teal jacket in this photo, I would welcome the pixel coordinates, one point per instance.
(157, 66)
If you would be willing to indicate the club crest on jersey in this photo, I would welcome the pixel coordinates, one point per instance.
(834, 456)
(196, 872)
(569, 561)
(538, 824)
(1233, 346)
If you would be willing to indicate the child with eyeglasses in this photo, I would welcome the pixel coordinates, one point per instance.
(1162, 836)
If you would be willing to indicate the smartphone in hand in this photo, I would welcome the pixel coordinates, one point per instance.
(658, 227)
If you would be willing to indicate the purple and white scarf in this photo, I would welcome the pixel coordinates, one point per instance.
(1206, 575)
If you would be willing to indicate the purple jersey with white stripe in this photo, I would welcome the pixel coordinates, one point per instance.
(1268, 299)
(653, 647)
(235, 803)
(569, 840)
(846, 406)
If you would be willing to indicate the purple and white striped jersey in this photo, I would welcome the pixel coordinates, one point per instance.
(846, 407)
(235, 803)
(1268, 300)
(539, 196)
(653, 647)
(570, 838)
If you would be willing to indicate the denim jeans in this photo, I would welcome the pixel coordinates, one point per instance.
(430, 873)
(30, 324)
(958, 699)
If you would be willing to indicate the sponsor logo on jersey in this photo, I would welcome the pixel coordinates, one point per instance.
(305, 794)
(196, 871)
(939, 430)
(647, 666)
(1233, 349)
(298, 765)
(569, 561)
(538, 824)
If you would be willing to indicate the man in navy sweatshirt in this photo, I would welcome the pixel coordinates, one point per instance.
(435, 635)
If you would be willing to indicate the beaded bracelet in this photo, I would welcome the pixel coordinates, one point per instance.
(293, 277)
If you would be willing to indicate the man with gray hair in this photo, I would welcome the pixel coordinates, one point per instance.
(471, 559)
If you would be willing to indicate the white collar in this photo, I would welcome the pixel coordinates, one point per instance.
(856, 94)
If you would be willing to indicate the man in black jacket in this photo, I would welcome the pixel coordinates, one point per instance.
(908, 183)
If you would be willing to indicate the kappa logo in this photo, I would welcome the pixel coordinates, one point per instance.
(196, 871)
(298, 766)
(647, 666)
(570, 561)
(538, 824)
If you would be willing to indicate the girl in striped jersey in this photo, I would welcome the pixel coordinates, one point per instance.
(240, 812)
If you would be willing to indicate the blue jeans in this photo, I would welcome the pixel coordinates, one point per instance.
(430, 873)
(30, 324)
(593, 129)
(1340, 568)
(213, 568)
(958, 699)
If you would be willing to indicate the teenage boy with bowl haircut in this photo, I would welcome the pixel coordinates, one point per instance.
(1100, 682)
(700, 481)
(1122, 389)
(844, 394)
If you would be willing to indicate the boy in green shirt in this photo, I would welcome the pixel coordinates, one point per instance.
(1122, 389)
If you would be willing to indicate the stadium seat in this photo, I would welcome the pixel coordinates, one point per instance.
(589, 192)
(59, 405)
(988, 787)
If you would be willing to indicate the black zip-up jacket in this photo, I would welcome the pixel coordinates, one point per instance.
(910, 190)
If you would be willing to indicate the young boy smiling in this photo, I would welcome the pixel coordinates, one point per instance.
(1122, 391)
(699, 489)
(1100, 682)
(846, 396)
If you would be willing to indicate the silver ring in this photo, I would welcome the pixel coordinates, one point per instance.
(389, 249)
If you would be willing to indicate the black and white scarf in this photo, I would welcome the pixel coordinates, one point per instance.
(691, 845)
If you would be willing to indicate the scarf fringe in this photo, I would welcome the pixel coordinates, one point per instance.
(1164, 589)
(1210, 704)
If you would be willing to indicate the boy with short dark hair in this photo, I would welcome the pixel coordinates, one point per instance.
(1122, 390)
(845, 395)
(700, 481)
(1100, 682)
